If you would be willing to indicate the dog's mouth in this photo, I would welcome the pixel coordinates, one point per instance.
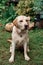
(26, 27)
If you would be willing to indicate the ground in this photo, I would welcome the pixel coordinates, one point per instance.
(35, 44)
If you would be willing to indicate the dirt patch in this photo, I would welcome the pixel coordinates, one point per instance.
(0, 24)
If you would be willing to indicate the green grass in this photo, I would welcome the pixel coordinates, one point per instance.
(35, 44)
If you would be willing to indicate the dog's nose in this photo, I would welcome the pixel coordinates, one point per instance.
(26, 26)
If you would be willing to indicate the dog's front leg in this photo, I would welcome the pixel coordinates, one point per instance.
(12, 52)
(28, 46)
(25, 52)
(10, 48)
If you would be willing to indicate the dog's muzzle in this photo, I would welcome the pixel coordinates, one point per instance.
(26, 27)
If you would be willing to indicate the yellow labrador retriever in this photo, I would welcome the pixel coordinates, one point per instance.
(20, 36)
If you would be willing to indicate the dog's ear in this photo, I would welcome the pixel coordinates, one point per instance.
(28, 18)
(15, 22)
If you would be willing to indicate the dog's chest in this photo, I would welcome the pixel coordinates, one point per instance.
(20, 37)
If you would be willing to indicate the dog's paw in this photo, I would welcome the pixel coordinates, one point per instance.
(11, 60)
(27, 58)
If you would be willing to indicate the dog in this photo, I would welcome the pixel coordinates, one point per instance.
(20, 36)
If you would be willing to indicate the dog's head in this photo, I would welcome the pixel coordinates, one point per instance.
(22, 22)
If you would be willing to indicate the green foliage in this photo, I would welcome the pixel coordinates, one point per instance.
(25, 7)
(29, 7)
(38, 6)
(7, 12)
(42, 4)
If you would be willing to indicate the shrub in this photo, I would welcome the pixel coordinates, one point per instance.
(24, 7)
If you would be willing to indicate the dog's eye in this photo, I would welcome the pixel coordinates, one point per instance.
(27, 20)
(21, 21)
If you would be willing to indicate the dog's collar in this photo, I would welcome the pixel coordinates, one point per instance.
(20, 32)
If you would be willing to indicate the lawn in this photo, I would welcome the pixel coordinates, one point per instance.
(35, 45)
